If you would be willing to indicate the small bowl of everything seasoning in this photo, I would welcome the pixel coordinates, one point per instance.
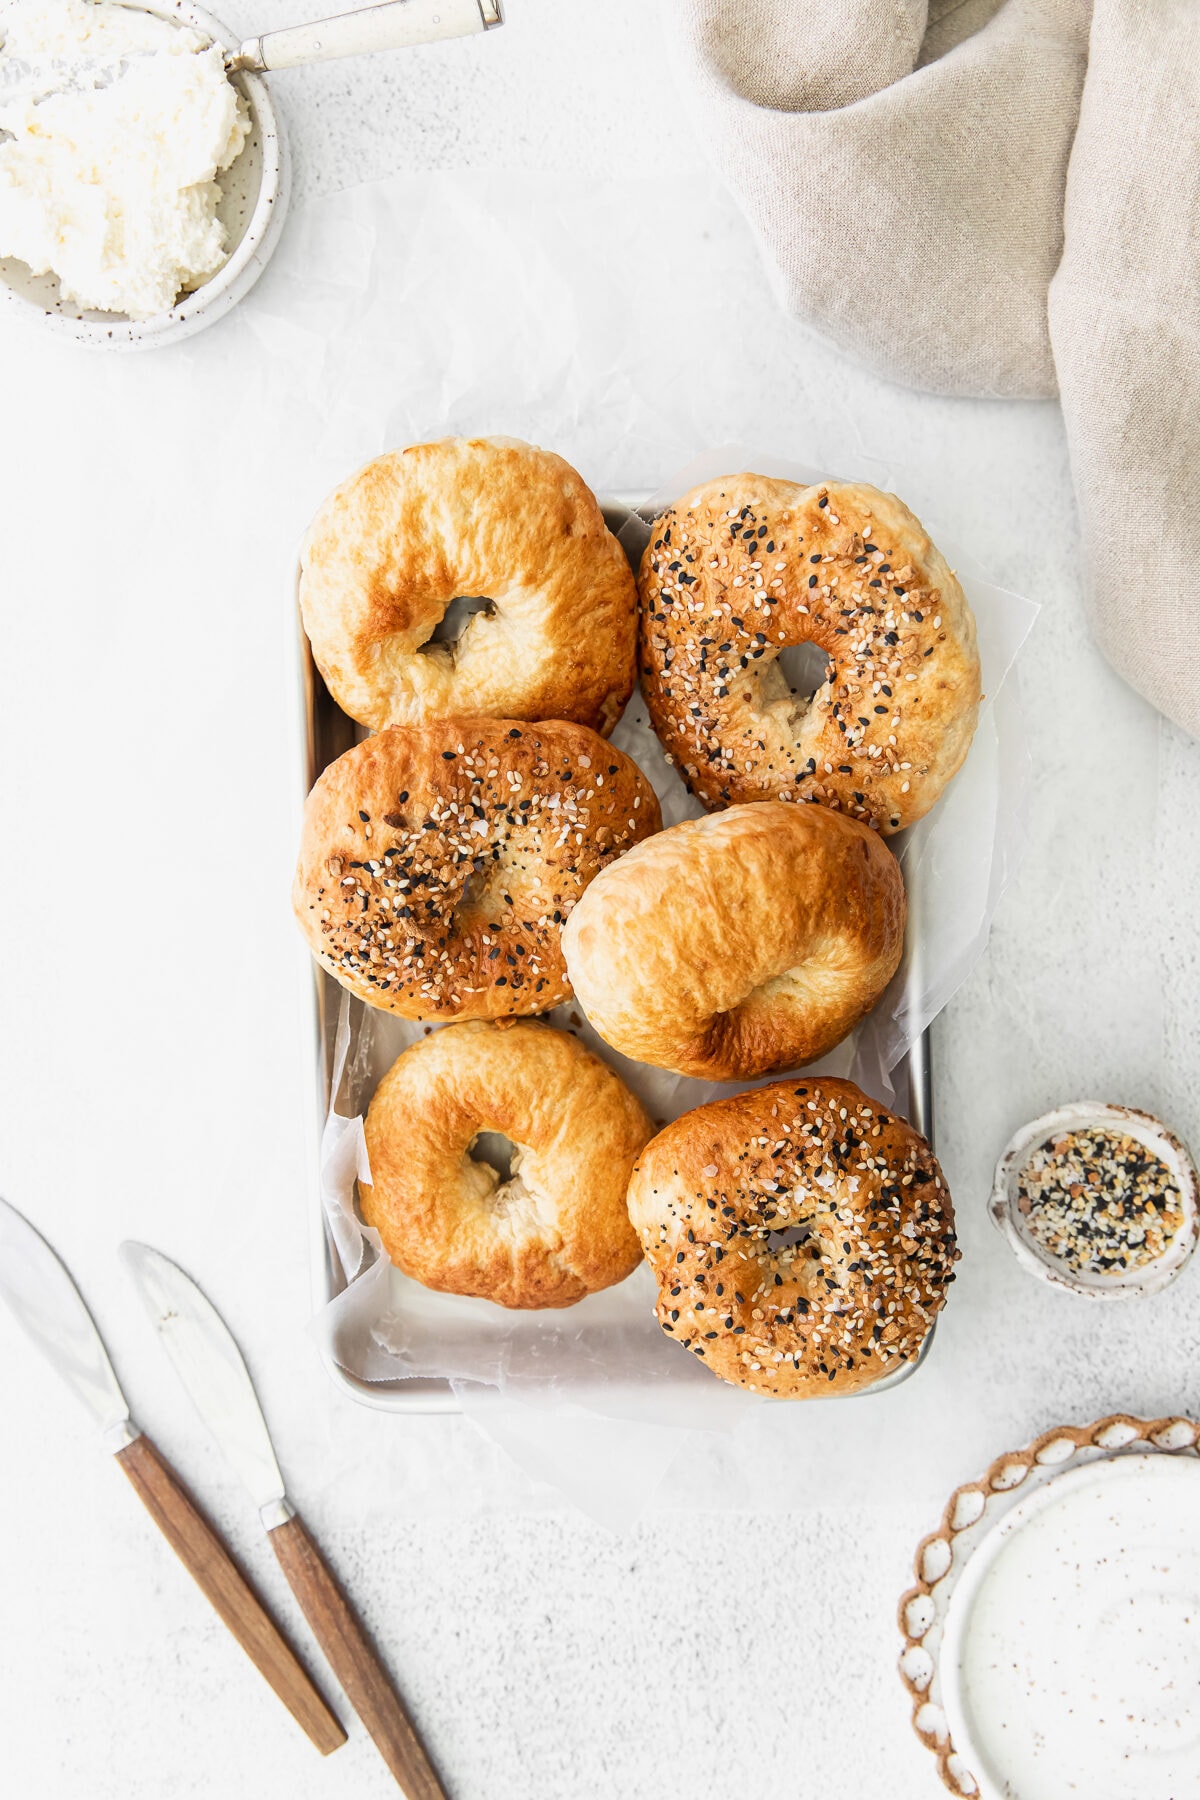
(1100, 1200)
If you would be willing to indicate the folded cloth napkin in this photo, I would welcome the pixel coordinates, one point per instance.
(999, 197)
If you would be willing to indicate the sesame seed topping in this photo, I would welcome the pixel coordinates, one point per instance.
(709, 667)
(463, 892)
(833, 1214)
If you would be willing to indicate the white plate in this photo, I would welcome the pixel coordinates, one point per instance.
(1053, 1639)
(1071, 1657)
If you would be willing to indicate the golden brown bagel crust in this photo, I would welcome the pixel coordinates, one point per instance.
(557, 1229)
(851, 1301)
(484, 518)
(731, 946)
(742, 567)
(437, 864)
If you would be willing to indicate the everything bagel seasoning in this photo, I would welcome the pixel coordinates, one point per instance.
(812, 1248)
(1099, 1201)
(743, 567)
(438, 862)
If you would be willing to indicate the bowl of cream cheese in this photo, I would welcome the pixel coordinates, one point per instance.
(142, 186)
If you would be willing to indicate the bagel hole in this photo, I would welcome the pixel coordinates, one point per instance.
(454, 622)
(496, 1152)
(803, 667)
(790, 1237)
(476, 890)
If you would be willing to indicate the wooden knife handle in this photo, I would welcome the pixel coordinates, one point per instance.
(205, 1557)
(354, 1661)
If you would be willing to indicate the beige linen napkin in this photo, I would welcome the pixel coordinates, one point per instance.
(999, 197)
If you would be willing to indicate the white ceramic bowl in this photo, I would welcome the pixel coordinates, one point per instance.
(1083, 1115)
(255, 194)
(972, 1515)
(1068, 1661)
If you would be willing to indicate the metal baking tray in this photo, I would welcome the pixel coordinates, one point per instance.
(326, 733)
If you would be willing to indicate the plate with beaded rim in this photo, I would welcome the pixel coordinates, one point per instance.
(1011, 1489)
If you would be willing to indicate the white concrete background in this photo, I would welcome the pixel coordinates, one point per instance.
(150, 980)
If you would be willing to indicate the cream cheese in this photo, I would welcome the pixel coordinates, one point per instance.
(113, 188)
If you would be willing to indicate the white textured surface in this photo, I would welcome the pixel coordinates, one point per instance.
(700, 1654)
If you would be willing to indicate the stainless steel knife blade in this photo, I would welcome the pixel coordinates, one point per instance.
(49, 1307)
(211, 1368)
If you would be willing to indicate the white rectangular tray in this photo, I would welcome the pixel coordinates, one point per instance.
(327, 732)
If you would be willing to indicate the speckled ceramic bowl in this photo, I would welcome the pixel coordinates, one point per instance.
(1068, 1643)
(931, 1666)
(255, 195)
(1149, 1277)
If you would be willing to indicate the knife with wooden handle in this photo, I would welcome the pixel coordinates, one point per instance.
(353, 1660)
(48, 1305)
(211, 1367)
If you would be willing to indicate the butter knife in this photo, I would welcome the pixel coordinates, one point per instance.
(391, 25)
(394, 25)
(212, 1369)
(48, 1306)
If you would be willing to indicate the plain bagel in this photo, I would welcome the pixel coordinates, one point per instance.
(437, 865)
(487, 519)
(735, 945)
(740, 569)
(551, 1229)
(802, 1237)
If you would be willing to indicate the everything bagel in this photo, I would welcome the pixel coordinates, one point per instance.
(552, 1229)
(438, 864)
(732, 946)
(802, 1237)
(489, 519)
(743, 567)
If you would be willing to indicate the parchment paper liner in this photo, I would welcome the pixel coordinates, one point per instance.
(607, 1352)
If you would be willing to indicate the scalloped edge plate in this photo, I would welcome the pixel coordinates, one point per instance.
(971, 1513)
